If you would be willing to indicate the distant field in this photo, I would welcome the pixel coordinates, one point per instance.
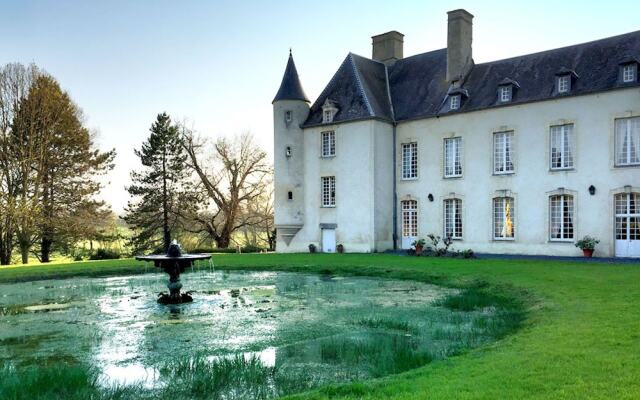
(581, 338)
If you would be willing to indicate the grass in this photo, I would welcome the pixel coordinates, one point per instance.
(581, 338)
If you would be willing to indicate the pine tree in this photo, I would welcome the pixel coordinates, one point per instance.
(161, 190)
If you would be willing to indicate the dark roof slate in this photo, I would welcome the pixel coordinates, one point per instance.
(290, 88)
(418, 87)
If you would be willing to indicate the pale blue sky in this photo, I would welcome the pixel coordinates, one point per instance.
(219, 63)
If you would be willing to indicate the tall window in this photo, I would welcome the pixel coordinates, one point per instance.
(627, 141)
(503, 218)
(409, 160)
(561, 217)
(505, 93)
(627, 216)
(328, 144)
(328, 191)
(629, 72)
(503, 152)
(562, 146)
(287, 116)
(452, 160)
(453, 218)
(564, 83)
(409, 218)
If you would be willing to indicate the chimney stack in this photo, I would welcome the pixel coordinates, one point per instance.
(459, 36)
(387, 47)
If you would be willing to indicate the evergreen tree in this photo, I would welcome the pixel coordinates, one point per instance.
(161, 190)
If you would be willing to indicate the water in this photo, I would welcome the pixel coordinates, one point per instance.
(313, 329)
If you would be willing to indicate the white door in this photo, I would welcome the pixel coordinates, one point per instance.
(409, 223)
(328, 240)
(627, 224)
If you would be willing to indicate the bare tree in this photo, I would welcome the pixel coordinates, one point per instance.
(236, 174)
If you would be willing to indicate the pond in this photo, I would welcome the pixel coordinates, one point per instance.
(246, 335)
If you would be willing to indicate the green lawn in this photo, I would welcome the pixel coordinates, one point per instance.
(581, 339)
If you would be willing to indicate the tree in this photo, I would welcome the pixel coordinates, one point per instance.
(69, 168)
(18, 158)
(162, 190)
(237, 174)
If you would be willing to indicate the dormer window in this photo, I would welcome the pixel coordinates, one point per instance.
(329, 110)
(505, 93)
(630, 73)
(564, 83)
(454, 102)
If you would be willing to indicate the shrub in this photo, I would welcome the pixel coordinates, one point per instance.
(104, 254)
(587, 243)
(312, 248)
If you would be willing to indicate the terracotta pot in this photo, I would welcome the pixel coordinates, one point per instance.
(418, 250)
(587, 253)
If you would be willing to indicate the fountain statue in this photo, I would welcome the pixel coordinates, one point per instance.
(174, 263)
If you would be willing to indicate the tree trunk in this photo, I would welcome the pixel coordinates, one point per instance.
(223, 241)
(24, 251)
(45, 248)
(165, 212)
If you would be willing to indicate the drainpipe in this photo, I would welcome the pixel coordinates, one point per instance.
(395, 193)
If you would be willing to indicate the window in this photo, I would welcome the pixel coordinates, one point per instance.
(409, 218)
(454, 102)
(561, 217)
(328, 191)
(505, 93)
(503, 221)
(328, 144)
(629, 72)
(503, 152)
(627, 141)
(290, 195)
(453, 218)
(564, 83)
(409, 160)
(287, 151)
(287, 116)
(327, 116)
(562, 146)
(627, 216)
(452, 161)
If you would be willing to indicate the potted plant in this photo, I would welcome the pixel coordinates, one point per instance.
(419, 245)
(312, 248)
(587, 244)
(340, 248)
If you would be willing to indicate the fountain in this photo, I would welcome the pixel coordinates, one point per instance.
(174, 263)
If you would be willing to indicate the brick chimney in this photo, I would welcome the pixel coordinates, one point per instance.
(459, 36)
(387, 47)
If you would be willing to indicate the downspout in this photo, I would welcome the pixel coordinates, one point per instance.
(395, 191)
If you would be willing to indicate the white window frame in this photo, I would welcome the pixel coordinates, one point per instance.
(327, 116)
(328, 144)
(454, 102)
(564, 83)
(500, 210)
(452, 216)
(409, 161)
(503, 153)
(409, 218)
(453, 168)
(559, 223)
(328, 191)
(505, 93)
(627, 142)
(629, 72)
(566, 151)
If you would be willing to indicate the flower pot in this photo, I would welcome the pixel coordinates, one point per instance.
(587, 252)
(418, 250)
(340, 248)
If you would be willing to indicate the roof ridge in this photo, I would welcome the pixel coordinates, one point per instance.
(359, 83)
(590, 42)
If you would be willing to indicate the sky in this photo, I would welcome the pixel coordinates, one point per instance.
(218, 64)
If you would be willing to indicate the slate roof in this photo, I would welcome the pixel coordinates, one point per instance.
(418, 88)
(290, 88)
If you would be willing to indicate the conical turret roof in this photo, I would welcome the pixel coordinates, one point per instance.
(290, 88)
